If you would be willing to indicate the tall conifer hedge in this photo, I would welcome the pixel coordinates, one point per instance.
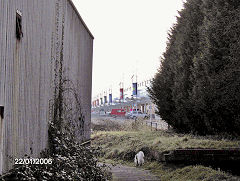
(197, 87)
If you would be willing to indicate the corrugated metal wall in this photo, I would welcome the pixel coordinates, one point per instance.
(27, 70)
(79, 58)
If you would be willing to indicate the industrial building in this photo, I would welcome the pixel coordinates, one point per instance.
(126, 99)
(35, 35)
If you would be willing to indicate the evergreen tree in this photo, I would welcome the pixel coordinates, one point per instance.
(215, 94)
(197, 86)
(190, 21)
(171, 85)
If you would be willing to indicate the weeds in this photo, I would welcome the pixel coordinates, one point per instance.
(120, 147)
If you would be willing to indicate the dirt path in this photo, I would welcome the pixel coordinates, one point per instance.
(126, 173)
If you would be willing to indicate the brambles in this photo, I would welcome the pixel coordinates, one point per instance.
(70, 162)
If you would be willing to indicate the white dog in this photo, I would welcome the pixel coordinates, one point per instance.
(139, 158)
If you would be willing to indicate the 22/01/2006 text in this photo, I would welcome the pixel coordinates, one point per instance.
(37, 161)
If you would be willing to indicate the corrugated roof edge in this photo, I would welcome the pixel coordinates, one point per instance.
(84, 24)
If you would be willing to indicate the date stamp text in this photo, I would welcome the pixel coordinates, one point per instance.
(36, 161)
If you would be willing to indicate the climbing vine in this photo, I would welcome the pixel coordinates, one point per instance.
(70, 159)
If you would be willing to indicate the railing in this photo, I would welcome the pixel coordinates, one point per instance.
(162, 125)
(152, 125)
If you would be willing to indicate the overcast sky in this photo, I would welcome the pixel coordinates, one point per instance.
(130, 36)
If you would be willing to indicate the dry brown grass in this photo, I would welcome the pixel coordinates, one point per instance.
(121, 142)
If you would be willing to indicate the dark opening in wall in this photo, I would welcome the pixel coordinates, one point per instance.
(19, 33)
(2, 111)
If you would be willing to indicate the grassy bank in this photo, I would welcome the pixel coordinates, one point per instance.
(125, 144)
(188, 173)
(120, 146)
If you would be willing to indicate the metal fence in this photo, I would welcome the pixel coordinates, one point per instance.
(157, 125)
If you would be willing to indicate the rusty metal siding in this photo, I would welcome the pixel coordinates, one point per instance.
(27, 70)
